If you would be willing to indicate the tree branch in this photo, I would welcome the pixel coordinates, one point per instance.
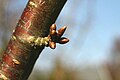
(20, 56)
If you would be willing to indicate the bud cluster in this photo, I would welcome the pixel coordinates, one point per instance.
(56, 36)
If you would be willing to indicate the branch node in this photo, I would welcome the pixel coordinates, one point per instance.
(51, 40)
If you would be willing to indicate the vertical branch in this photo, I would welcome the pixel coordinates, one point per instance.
(20, 56)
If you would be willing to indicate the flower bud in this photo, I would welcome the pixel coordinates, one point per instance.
(61, 31)
(63, 40)
(53, 33)
(53, 27)
(52, 45)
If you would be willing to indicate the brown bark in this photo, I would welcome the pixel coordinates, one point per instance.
(19, 58)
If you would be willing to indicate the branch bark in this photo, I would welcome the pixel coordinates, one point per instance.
(19, 58)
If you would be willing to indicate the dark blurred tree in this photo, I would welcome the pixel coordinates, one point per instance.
(58, 72)
(114, 63)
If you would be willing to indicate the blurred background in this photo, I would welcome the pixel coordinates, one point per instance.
(93, 52)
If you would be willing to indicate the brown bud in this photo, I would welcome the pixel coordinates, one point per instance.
(53, 27)
(63, 40)
(53, 33)
(52, 45)
(61, 31)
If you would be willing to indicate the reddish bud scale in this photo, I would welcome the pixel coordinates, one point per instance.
(63, 40)
(20, 57)
(53, 33)
(52, 45)
(53, 27)
(61, 31)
